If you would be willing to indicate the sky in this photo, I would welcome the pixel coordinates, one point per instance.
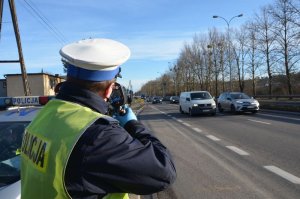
(154, 30)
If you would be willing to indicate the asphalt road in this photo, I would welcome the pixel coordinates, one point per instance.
(229, 156)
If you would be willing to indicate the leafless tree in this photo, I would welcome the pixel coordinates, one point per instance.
(286, 36)
(241, 50)
(216, 46)
(200, 59)
(264, 25)
(253, 54)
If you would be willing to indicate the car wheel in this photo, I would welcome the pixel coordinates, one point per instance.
(220, 108)
(232, 108)
(181, 111)
(190, 112)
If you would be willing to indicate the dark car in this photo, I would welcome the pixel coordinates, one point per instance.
(156, 100)
(166, 99)
(174, 99)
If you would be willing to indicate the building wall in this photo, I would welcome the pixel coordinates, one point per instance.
(40, 84)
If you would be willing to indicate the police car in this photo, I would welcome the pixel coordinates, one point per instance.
(16, 113)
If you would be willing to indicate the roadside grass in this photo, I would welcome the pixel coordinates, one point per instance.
(137, 104)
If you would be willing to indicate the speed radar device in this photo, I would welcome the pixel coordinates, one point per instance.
(117, 99)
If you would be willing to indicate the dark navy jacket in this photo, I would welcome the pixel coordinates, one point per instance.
(110, 159)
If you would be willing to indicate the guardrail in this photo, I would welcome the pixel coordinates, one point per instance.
(277, 97)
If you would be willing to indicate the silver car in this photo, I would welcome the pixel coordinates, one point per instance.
(237, 102)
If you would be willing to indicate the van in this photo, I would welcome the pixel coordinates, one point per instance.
(197, 102)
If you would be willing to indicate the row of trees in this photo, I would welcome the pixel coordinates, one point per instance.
(263, 48)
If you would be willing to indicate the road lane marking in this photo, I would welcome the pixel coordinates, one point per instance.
(259, 121)
(237, 150)
(180, 121)
(290, 118)
(186, 124)
(213, 138)
(197, 130)
(284, 174)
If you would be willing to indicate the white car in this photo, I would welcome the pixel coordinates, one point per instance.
(16, 114)
(197, 102)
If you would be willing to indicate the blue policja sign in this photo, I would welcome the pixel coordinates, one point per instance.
(21, 101)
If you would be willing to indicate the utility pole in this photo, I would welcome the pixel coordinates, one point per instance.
(1, 14)
(18, 39)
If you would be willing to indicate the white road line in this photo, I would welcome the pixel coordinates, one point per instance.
(284, 174)
(174, 118)
(290, 118)
(213, 138)
(197, 130)
(180, 121)
(237, 150)
(162, 112)
(154, 108)
(186, 124)
(259, 121)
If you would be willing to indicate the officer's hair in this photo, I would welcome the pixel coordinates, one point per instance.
(91, 85)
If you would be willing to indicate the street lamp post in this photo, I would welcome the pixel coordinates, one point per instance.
(229, 45)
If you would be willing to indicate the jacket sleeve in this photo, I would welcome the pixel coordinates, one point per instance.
(131, 161)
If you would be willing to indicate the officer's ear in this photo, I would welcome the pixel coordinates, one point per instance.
(108, 91)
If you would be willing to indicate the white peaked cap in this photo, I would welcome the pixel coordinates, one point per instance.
(95, 59)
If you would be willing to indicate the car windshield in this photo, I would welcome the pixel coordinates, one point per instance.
(200, 95)
(239, 96)
(11, 134)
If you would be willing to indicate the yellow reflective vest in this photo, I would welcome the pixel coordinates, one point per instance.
(46, 147)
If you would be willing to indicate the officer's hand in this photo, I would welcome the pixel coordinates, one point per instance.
(126, 116)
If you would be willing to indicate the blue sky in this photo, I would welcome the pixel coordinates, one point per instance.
(154, 30)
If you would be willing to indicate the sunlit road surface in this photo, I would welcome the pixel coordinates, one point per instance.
(229, 155)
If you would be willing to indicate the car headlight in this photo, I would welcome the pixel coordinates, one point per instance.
(255, 103)
(239, 102)
(195, 104)
(213, 105)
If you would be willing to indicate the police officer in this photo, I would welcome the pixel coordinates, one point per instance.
(72, 149)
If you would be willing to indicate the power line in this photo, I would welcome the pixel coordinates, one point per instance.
(34, 11)
(57, 30)
(46, 21)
